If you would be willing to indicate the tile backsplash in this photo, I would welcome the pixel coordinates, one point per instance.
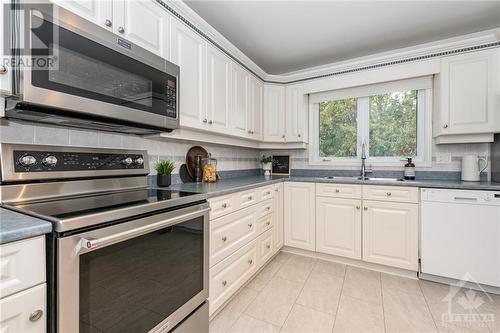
(228, 158)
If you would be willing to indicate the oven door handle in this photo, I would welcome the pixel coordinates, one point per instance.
(88, 244)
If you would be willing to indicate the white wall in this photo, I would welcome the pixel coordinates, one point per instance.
(229, 158)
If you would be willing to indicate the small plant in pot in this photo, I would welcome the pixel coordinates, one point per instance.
(164, 168)
(267, 164)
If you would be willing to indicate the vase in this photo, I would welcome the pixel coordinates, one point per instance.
(267, 167)
(163, 180)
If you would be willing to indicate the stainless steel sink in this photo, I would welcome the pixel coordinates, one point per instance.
(366, 178)
(343, 178)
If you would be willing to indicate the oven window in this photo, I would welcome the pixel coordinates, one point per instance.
(134, 285)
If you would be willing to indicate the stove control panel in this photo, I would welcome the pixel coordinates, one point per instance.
(40, 161)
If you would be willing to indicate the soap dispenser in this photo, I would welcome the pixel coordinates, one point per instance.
(409, 169)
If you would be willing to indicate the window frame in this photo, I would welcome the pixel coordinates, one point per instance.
(424, 123)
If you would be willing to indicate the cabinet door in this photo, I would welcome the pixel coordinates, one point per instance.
(99, 12)
(5, 70)
(274, 113)
(338, 227)
(144, 23)
(300, 215)
(295, 114)
(254, 118)
(218, 90)
(469, 85)
(278, 218)
(390, 234)
(189, 52)
(240, 100)
(15, 311)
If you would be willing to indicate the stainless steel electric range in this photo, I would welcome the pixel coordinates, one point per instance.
(122, 257)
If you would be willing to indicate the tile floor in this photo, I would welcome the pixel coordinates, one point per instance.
(304, 295)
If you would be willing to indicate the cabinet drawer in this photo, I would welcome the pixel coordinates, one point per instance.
(347, 191)
(265, 223)
(23, 265)
(266, 208)
(230, 274)
(230, 232)
(266, 247)
(390, 193)
(221, 206)
(15, 311)
(248, 198)
(267, 192)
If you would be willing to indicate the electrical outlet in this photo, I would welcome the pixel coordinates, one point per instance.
(443, 158)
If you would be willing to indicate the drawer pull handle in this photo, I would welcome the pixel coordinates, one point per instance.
(389, 194)
(357, 207)
(224, 238)
(224, 283)
(268, 246)
(35, 315)
(337, 191)
(250, 225)
(224, 205)
(365, 208)
(250, 261)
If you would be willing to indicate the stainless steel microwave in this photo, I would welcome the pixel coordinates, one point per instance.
(69, 71)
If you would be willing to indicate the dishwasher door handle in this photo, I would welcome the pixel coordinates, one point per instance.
(464, 199)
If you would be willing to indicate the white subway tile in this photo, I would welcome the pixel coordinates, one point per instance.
(16, 132)
(83, 138)
(51, 135)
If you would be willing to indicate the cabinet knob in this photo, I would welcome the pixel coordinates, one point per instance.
(224, 283)
(276, 190)
(210, 122)
(250, 197)
(3, 69)
(299, 135)
(445, 126)
(108, 23)
(337, 191)
(250, 225)
(365, 208)
(268, 208)
(357, 207)
(268, 223)
(35, 315)
(250, 261)
(389, 194)
(283, 136)
(205, 120)
(268, 192)
(224, 205)
(268, 246)
(224, 238)
(249, 132)
(121, 30)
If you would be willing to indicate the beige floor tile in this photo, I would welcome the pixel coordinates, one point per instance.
(491, 309)
(405, 312)
(228, 316)
(332, 268)
(296, 269)
(401, 284)
(283, 257)
(306, 320)
(358, 316)
(437, 292)
(265, 275)
(247, 324)
(362, 284)
(274, 302)
(321, 292)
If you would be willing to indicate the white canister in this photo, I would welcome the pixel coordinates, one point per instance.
(471, 169)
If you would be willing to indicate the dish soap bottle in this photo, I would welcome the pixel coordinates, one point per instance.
(410, 170)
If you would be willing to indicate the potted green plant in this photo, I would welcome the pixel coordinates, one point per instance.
(267, 164)
(164, 169)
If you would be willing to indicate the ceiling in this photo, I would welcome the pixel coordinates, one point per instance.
(286, 36)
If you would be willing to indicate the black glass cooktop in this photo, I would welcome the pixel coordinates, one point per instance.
(74, 207)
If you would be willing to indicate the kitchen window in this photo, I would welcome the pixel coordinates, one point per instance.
(392, 120)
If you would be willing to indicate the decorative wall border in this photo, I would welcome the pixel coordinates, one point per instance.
(342, 72)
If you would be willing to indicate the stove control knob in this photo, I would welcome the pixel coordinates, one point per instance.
(127, 161)
(27, 160)
(139, 161)
(50, 161)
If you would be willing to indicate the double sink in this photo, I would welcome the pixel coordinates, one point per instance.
(347, 178)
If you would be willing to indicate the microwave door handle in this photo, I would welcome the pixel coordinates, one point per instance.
(89, 244)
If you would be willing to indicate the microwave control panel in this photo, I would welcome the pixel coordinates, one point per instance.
(171, 98)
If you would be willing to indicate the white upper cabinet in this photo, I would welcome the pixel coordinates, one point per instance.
(219, 90)
(99, 12)
(144, 23)
(296, 114)
(299, 215)
(5, 74)
(467, 98)
(188, 50)
(254, 117)
(274, 113)
(239, 116)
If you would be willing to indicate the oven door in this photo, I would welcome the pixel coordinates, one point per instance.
(86, 69)
(139, 276)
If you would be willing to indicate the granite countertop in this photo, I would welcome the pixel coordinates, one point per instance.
(231, 185)
(16, 226)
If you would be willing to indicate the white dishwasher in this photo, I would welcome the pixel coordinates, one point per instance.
(460, 235)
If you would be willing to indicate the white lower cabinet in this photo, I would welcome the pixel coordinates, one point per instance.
(278, 218)
(299, 215)
(25, 311)
(390, 234)
(266, 247)
(338, 227)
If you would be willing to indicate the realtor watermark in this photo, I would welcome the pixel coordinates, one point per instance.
(466, 304)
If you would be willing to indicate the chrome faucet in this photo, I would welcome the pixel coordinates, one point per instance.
(363, 162)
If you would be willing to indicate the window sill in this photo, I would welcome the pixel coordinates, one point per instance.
(369, 164)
